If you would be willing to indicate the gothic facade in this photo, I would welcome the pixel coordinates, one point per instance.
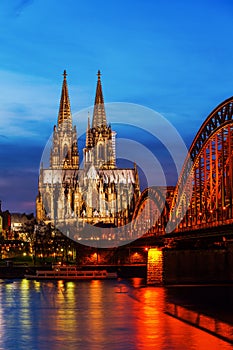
(99, 193)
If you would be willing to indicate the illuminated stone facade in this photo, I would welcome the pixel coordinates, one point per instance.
(99, 193)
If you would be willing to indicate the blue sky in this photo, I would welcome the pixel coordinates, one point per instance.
(172, 56)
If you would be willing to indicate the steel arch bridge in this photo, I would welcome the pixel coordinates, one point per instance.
(203, 195)
(151, 211)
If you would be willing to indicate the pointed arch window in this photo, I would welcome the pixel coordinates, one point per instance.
(65, 151)
(101, 151)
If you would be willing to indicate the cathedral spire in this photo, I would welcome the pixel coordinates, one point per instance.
(99, 116)
(64, 110)
(88, 121)
(88, 133)
(99, 94)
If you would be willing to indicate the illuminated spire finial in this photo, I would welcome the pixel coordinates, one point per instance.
(64, 74)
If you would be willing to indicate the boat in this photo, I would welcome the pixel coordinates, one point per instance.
(121, 288)
(70, 273)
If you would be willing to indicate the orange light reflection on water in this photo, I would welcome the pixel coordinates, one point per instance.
(155, 329)
(150, 324)
(95, 315)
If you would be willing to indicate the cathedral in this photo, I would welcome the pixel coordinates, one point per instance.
(99, 194)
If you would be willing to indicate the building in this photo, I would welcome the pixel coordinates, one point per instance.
(100, 194)
(22, 225)
(5, 223)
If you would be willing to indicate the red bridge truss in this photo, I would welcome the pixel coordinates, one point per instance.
(203, 194)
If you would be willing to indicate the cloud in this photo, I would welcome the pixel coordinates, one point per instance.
(29, 105)
(18, 184)
(21, 6)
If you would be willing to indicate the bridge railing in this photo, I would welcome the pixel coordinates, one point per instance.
(204, 225)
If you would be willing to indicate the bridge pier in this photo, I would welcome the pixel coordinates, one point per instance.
(155, 266)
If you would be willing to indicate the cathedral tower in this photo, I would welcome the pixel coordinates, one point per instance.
(99, 193)
(64, 153)
(100, 139)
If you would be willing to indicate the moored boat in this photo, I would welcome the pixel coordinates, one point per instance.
(71, 273)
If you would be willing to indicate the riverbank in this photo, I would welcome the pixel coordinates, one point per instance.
(207, 307)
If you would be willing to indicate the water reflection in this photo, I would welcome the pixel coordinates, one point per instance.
(93, 315)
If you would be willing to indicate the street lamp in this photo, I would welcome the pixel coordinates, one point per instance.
(223, 213)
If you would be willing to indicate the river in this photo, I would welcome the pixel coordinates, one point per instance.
(110, 314)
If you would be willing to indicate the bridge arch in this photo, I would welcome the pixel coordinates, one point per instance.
(203, 194)
(151, 210)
